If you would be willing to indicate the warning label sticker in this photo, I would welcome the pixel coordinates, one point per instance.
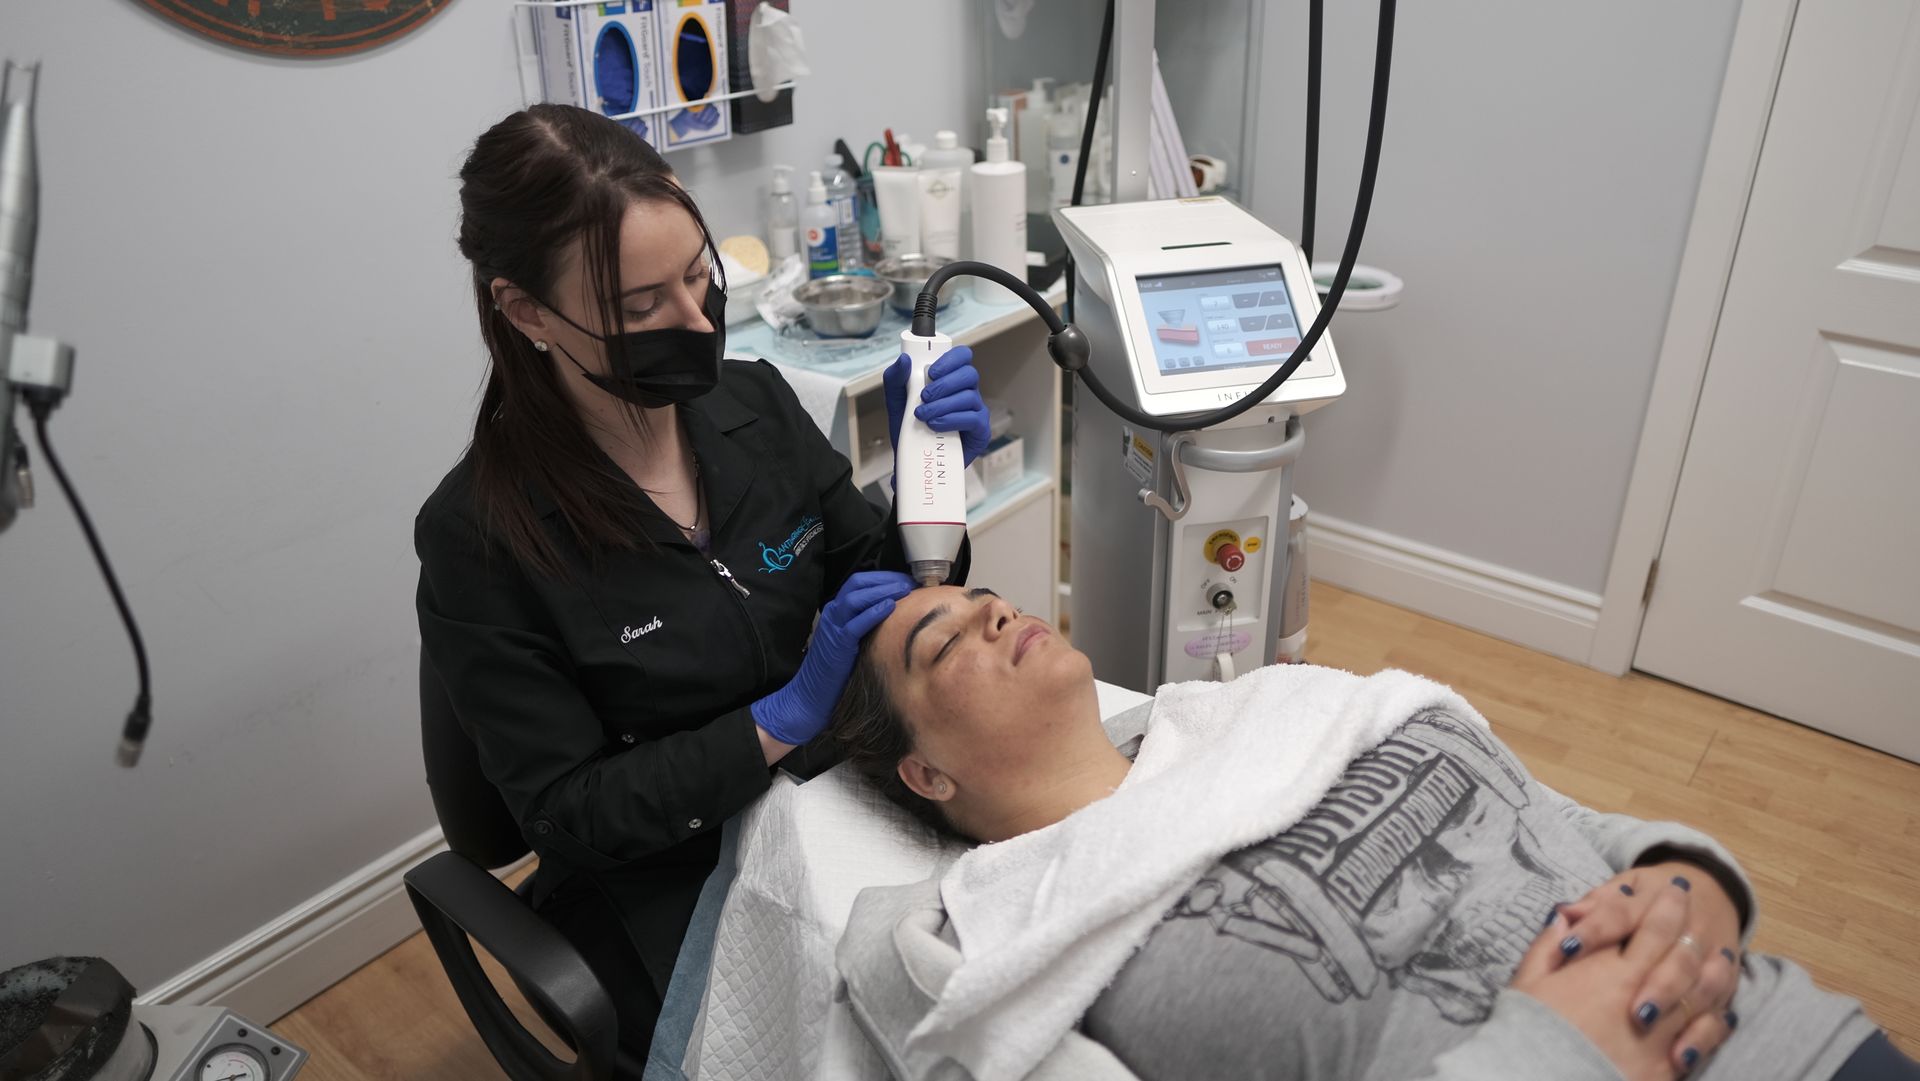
(1139, 455)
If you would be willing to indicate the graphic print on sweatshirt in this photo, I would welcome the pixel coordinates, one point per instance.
(1417, 868)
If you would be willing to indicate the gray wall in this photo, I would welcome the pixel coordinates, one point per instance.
(277, 362)
(1538, 176)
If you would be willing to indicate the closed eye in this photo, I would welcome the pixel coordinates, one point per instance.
(943, 650)
(935, 615)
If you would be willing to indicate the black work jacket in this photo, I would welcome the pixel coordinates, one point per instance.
(610, 708)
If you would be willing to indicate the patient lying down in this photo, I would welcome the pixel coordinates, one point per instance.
(1389, 928)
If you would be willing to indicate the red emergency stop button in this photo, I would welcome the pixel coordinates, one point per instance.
(1229, 556)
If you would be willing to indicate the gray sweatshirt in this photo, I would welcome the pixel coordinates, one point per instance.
(1372, 940)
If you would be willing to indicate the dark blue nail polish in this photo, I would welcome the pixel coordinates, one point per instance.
(1728, 954)
(1626, 889)
(1691, 1057)
(1552, 914)
(1570, 945)
(1681, 881)
(1648, 1013)
(1733, 1020)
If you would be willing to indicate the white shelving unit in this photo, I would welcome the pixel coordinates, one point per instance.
(1015, 532)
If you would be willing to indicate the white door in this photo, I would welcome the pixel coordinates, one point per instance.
(1790, 575)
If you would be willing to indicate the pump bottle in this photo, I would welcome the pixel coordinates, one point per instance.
(783, 216)
(998, 187)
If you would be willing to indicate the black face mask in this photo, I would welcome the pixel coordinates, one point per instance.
(654, 368)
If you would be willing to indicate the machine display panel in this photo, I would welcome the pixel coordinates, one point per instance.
(1218, 319)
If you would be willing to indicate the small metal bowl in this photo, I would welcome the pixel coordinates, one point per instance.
(908, 274)
(844, 305)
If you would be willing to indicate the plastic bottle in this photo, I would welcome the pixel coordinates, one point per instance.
(913, 149)
(1292, 648)
(821, 224)
(998, 187)
(783, 215)
(1063, 154)
(947, 153)
(844, 198)
(1031, 134)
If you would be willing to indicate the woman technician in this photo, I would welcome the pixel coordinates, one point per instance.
(620, 580)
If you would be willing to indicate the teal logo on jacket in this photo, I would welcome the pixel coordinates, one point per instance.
(774, 559)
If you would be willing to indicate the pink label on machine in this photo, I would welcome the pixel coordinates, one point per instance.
(1215, 643)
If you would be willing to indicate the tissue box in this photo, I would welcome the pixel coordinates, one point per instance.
(1004, 463)
(750, 114)
(693, 53)
(604, 57)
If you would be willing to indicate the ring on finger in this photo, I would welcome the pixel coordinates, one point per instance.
(1693, 944)
(1685, 1006)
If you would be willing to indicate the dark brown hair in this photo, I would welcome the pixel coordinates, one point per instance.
(533, 184)
(875, 737)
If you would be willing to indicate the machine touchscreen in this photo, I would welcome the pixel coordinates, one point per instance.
(1218, 319)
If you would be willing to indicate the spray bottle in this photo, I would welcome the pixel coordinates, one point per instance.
(844, 198)
(929, 483)
(820, 224)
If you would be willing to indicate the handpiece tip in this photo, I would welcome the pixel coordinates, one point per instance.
(929, 572)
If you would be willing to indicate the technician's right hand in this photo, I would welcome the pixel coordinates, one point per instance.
(796, 713)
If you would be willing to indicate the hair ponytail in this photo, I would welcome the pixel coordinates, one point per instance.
(536, 183)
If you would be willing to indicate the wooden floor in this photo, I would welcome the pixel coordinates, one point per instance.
(1829, 831)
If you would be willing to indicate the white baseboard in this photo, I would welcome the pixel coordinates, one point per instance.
(310, 947)
(1495, 600)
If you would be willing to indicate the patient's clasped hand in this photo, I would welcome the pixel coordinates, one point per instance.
(1300, 873)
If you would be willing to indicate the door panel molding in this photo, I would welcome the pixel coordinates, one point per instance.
(1719, 210)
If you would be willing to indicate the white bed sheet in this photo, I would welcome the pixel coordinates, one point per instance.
(806, 851)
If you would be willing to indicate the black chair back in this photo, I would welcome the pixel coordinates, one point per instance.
(474, 818)
(459, 904)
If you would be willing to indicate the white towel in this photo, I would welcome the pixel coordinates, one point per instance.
(821, 395)
(1047, 919)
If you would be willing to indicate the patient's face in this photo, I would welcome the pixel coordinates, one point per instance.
(976, 680)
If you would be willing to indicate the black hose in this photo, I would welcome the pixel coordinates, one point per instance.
(1094, 95)
(1310, 186)
(1067, 341)
(140, 717)
(928, 301)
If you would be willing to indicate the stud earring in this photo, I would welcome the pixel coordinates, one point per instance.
(540, 345)
(940, 787)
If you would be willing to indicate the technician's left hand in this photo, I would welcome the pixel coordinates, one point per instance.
(951, 402)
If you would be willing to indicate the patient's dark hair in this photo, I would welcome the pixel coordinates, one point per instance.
(876, 737)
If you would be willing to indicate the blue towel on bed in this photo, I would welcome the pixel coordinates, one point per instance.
(687, 989)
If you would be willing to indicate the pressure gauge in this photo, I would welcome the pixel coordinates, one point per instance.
(212, 1043)
(233, 1062)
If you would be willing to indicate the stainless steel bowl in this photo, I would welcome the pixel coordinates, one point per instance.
(908, 274)
(844, 305)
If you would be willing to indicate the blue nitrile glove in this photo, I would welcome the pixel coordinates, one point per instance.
(798, 711)
(951, 402)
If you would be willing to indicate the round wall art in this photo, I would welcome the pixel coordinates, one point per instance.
(300, 27)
